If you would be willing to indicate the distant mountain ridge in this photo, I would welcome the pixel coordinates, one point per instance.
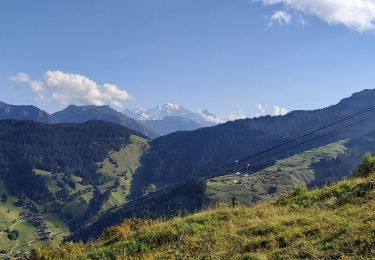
(160, 121)
(203, 118)
(74, 114)
(23, 113)
(171, 124)
(79, 114)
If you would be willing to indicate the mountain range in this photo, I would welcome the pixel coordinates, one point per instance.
(158, 121)
(84, 177)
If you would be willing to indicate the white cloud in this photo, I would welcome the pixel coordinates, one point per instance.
(279, 111)
(69, 88)
(21, 77)
(261, 110)
(240, 114)
(355, 14)
(235, 116)
(280, 17)
(36, 86)
(219, 119)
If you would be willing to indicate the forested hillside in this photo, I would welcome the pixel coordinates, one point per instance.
(54, 178)
(71, 149)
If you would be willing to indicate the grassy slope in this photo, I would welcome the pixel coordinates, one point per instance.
(128, 160)
(12, 221)
(285, 175)
(337, 221)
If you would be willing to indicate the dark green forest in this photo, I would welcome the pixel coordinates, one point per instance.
(72, 149)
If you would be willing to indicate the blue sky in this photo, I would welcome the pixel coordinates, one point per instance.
(223, 55)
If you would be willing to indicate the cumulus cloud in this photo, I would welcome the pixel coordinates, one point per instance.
(279, 111)
(355, 14)
(69, 88)
(280, 17)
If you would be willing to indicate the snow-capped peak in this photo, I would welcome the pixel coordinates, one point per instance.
(171, 106)
(171, 109)
(140, 114)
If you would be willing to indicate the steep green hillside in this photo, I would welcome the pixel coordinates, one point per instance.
(335, 222)
(67, 175)
(281, 178)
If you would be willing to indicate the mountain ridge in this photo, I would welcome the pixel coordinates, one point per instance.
(23, 112)
(171, 124)
(73, 114)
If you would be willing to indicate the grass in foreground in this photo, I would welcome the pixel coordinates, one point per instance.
(336, 221)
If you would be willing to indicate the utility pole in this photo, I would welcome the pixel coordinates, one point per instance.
(247, 171)
(234, 174)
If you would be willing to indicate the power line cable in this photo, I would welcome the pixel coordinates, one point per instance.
(313, 139)
(294, 140)
(206, 175)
